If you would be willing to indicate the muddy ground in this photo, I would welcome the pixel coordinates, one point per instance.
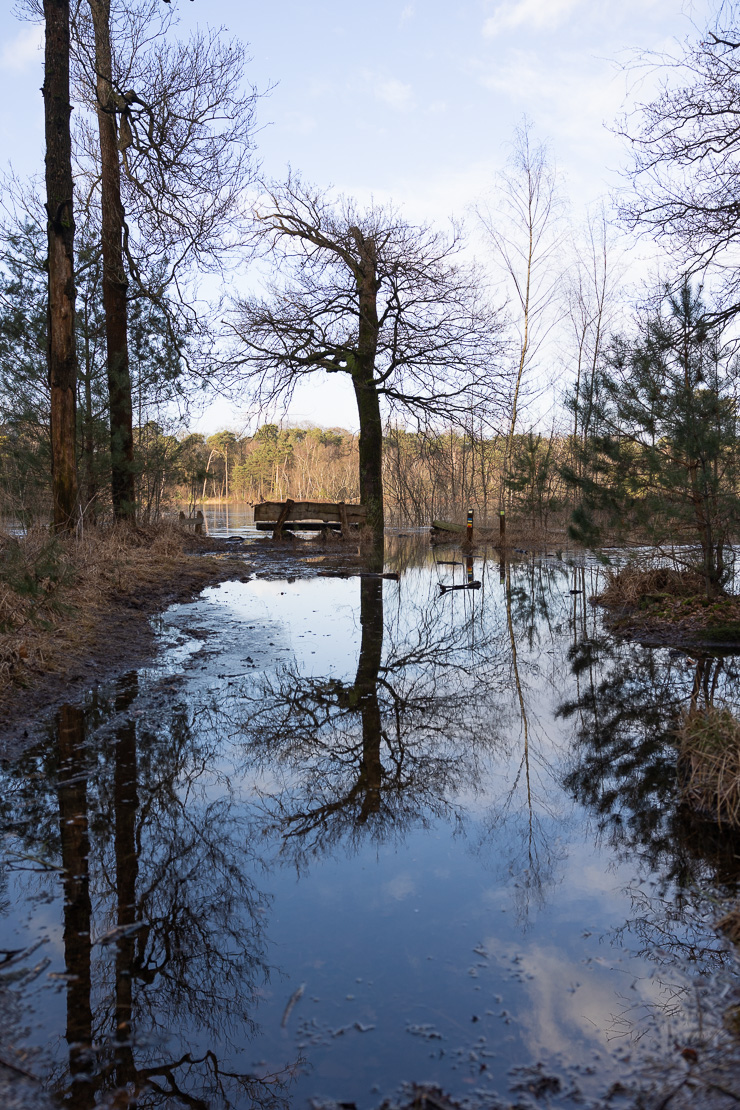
(125, 639)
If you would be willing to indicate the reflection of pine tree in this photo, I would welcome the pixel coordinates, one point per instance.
(623, 765)
(661, 456)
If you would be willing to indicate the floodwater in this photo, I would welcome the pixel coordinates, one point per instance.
(346, 834)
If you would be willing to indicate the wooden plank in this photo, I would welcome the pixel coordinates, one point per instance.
(310, 510)
(445, 526)
(195, 522)
(298, 526)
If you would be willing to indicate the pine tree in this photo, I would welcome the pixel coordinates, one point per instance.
(660, 462)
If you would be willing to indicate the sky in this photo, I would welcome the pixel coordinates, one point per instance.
(415, 102)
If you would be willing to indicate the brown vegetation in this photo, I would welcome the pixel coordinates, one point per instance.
(668, 605)
(635, 583)
(56, 593)
(709, 763)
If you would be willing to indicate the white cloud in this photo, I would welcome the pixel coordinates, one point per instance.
(534, 15)
(24, 50)
(569, 101)
(407, 13)
(395, 94)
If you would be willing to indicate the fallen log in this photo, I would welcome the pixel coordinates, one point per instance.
(464, 586)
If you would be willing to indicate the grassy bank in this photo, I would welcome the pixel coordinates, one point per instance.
(662, 604)
(58, 594)
(709, 763)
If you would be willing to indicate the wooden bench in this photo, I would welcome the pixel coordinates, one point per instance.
(196, 522)
(307, 516)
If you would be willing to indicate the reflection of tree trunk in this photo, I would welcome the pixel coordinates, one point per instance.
(706, 677)
(520, 694)
(366, 688)
(73, 831)
(126, 804)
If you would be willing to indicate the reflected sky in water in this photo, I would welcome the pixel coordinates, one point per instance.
(346, 833)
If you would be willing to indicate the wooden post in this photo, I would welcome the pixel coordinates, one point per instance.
(199, 520)
(277, 532)
(469, 535)
(502, 527)
(343, 518)
(469, 569)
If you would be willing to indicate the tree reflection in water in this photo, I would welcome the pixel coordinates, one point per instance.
(623, 766)
(163, 934)
(623, 769)
(394, 747)
(446, 716)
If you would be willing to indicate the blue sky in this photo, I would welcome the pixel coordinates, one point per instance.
(411, 101)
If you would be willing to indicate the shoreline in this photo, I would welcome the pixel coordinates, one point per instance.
(107, 631)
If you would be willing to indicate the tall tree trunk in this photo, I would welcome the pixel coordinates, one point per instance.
(115, 283)
(363, 379)
(88, 438)
(371, 453)
(61, 354)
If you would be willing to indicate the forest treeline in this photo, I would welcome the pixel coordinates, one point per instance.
(425, 476)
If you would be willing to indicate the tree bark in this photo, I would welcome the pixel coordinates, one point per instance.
(115, 282)
(88, 437)
(371, 452)
(61, 354)
(366, 393)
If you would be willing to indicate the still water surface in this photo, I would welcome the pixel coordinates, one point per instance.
(350, 833)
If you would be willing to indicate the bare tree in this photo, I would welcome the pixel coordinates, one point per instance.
(522, 223)
(367, 294)
(62, 357)
(115, 281)
(171, 157)
(686, 154)
(185, 124)
(591, 292)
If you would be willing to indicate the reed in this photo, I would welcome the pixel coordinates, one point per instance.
(631, 585)
(709, 763)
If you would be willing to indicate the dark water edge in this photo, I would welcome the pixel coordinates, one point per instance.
(349, 834)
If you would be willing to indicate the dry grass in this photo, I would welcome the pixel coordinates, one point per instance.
(709, 763)
(634, 583)
(56, 592)
(730, 926)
